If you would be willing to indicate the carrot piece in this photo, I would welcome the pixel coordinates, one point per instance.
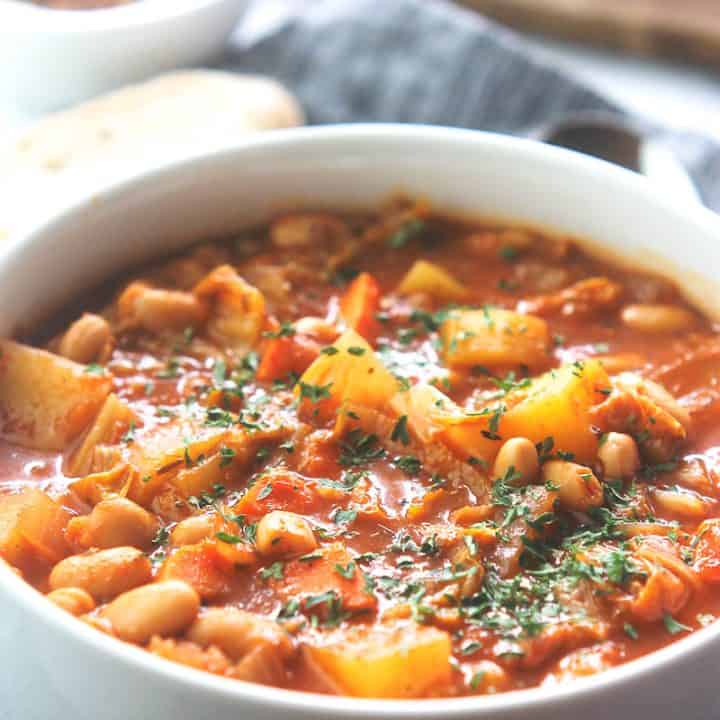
(421, 509)
(200, 567)
(286, 355)
(360, 304)
(279, 491)
(329, 569)
(276, 360)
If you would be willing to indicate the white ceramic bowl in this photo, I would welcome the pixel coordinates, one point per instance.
(53, 58)
(55, 666)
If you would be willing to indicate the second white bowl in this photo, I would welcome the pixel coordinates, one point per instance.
(53, 58)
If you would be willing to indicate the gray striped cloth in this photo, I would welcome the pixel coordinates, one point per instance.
(424, 61)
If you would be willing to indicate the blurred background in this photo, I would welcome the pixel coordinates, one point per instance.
(659, 57)
(527, 67)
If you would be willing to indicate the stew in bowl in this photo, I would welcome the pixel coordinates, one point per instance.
(387, 454)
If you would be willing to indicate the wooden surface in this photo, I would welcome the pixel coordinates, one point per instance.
(686, 30)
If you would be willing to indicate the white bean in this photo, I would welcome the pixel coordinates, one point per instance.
(163, 608)
(647, 318)
(104, 573)
(619, 455)
(520, 455)
(284, 534)
(577, 487)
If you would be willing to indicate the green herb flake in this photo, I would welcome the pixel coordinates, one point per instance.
(314, 393)
(409, 464)
(405, 233)
(228, 538)
(476, 680)
(673, 626)
(630, 631)
(286, 330)
(347, 571)
(274, 571)
(344, 517)
(226, 456)
(400, 431)
(94, 369)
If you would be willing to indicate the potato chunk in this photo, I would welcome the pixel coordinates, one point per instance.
(405, 661)
(558, 405)
(426, 277)
(351, 373)
(31, 526)
(46, 401)
(494, 338)
(432, 416)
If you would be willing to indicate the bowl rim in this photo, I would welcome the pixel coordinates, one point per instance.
(35, 18)
(634, 186)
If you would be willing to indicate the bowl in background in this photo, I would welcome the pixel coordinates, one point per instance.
(52, 58)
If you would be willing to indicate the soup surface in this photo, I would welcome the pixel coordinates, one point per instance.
(382, 455)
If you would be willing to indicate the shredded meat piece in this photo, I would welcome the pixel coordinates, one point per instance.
(561, 637)
(210, 659)
(585, 662)
(583, 299)
(658, 434)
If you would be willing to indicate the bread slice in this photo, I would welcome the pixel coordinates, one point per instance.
(69, 153)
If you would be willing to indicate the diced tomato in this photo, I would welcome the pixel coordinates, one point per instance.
(279, 491)
(286, 355)
(330, 570)
(199, 566)
(707, 551)
(360, 304)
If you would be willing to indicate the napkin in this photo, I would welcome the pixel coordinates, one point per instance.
(426, 61)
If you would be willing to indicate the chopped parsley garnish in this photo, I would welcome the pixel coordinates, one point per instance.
(228, 538)
(217, 417)
(347, 571)
(405, 233)
(673, 626)
(400, 431)
(129, 436)
(207, 498)
(274, 571)
(161, 536)
(226, 456)
(344, 517)
(314, 393)
(409, 464)
(630, 631)
(508, 252)
(170, 371)
(360, 448)
(286, 330)
(94, 369)
(219, 372)
(287, 446)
